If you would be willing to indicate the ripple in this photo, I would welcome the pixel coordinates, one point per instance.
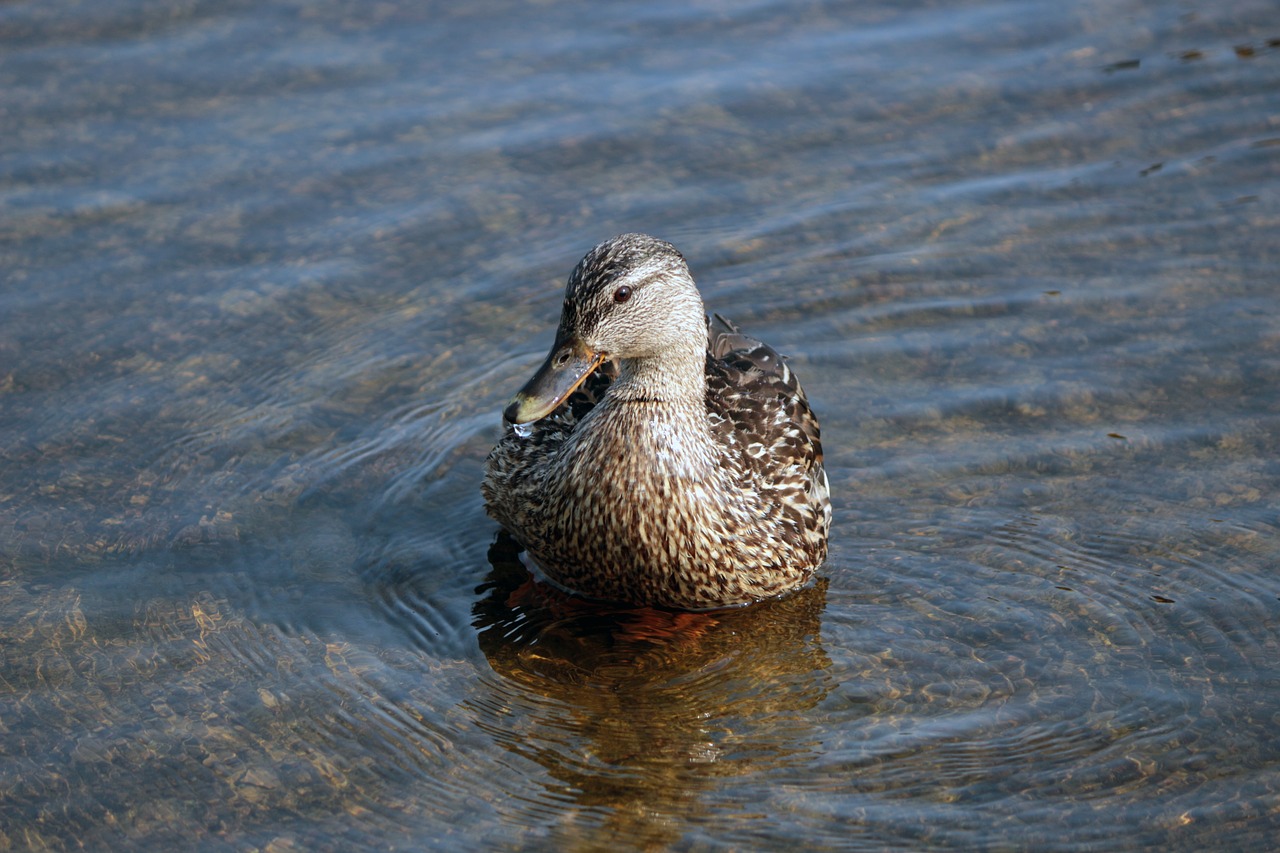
(999, 662)
(265, 268)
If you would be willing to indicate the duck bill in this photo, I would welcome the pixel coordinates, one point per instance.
(567, 367)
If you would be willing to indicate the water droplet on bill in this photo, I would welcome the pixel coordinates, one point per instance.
(523, 430)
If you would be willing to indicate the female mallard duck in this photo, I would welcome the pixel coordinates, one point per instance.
(652, 463)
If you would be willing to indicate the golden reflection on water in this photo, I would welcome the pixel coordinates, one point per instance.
(636, 712)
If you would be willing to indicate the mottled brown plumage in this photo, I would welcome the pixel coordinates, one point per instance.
(660, 459)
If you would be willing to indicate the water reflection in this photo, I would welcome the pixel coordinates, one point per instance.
(637, 712)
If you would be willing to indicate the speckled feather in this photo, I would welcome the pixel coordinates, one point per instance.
(693, 503)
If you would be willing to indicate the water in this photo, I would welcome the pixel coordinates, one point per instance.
(271, 270)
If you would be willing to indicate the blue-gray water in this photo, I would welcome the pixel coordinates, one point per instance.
(270, 270)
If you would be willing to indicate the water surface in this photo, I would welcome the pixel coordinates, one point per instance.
(270, 271)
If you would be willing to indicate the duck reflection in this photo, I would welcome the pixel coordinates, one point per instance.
(637, 712)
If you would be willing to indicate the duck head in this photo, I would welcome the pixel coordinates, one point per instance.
(631, 299)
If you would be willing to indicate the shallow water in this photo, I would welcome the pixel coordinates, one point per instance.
(271, 270)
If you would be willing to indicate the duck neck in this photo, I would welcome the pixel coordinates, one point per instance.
(676, 378)
(661, 405)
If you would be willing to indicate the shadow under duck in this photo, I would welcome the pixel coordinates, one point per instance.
(656, 457)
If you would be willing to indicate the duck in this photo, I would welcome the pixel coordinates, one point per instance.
(659, 457)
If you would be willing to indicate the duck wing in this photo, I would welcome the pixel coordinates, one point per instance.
(757, 407)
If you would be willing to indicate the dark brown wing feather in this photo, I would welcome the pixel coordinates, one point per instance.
(757, 406)
(750, 386)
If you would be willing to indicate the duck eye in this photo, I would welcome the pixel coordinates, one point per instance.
(622, 294)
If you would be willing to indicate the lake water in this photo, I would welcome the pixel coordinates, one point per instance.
(270, 271)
